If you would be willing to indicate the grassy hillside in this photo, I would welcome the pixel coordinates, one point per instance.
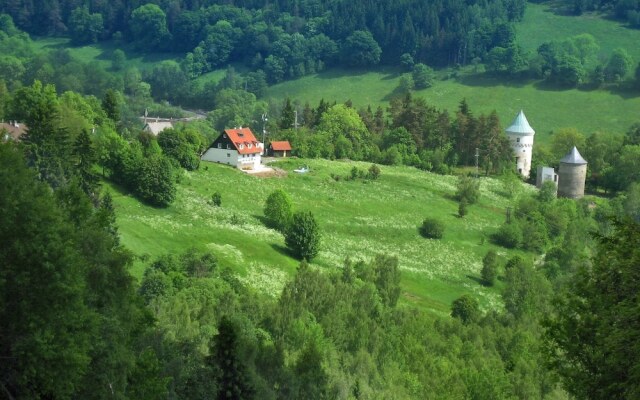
(544, 22)
(101, 52)
(358, 219)
(547, 108)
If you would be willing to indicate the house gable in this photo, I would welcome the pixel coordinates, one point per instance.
(235, 147)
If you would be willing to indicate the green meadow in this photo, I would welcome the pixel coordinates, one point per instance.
(102, 53)
(547, 108)
(358, 219)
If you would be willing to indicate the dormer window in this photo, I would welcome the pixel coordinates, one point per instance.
(249, 145)
(241, 147)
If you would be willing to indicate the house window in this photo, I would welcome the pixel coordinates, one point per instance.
(228, 154)
(518, 140)
(228, 146)
(224, 135)
(219, 145)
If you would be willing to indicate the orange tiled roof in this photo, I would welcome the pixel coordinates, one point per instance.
(281, 146)
(244, 137)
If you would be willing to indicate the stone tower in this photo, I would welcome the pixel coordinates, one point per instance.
(572, 175)
(520, 135)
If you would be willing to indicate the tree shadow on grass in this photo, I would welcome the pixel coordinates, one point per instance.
(487, 80)
(395, 93)
(283, 250)
(476, 279)
(336, 73)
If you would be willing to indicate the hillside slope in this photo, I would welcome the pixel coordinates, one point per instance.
(358, 219)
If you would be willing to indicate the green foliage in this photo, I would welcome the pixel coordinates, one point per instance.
(278, 210)
(489, 272)
(432, 228)
(618, 66)
(118, 60)
(148, 26)
(111, 105)
(72, 320)
(509, 235)
(303, 236)
(85, 159)
(468, 189)
(216, 199)
(466, 309)
(233, 379)
(183, 145)
(462, 208)
(155, 182)
(387, 278)
(361, 50)
(85, 27)
(527, 291)
(590, 336)
(373, 172)
(423, 76)
(547, 192)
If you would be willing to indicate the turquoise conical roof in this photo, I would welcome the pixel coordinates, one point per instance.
(520, 126)
(573, 157)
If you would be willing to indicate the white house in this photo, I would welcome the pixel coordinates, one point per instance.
(520, 135)
(155, 127)
(237, 147)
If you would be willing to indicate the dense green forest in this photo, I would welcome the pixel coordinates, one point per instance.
(77, 324)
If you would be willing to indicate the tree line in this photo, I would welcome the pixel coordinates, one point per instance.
(285, 37)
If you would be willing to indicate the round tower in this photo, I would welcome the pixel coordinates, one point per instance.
(520, 135)
(572, 175)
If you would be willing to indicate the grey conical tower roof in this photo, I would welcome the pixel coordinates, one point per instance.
(520, 126)
(573, 157)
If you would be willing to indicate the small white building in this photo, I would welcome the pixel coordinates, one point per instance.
(237, 147)
(520, 135)
(546, 174)
(157, 126)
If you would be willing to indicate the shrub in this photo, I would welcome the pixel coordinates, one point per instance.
(489, 271)
(462, 209)
(432, 228)
(278, 210)
(468, 189)
(374, 172)
(509, 235)
(216, 199)
(303, 236)
(465, 308)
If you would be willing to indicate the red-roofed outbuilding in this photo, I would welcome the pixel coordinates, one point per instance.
(279, 149)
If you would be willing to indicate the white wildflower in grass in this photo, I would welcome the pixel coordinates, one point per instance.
(265, 279)
(227, 249)
(358, 219)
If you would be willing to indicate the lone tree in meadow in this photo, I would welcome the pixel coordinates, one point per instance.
(489, 271)
(278, 210)
(303, 236)
(468, 189)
